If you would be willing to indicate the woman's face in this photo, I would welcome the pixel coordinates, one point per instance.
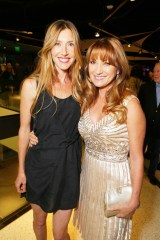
(101, 73)
(63, 52)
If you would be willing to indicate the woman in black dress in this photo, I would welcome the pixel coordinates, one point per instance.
(48, 174)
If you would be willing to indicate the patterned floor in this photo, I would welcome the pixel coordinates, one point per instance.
(146, 221)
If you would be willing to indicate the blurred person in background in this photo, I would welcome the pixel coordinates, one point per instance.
(149, 96)
(136, 78)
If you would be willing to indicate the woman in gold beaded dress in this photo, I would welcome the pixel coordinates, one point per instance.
(113, 128)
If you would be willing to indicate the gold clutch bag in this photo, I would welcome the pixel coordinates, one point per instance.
(116, 196)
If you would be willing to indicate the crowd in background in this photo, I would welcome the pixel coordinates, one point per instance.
(11, 76)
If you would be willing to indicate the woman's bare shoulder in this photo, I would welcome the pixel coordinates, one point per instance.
(29, 88)
(30, 83)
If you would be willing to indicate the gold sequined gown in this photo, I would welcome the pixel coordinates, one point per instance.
(105, 165)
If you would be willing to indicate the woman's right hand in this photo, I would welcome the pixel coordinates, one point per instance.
(20, 183)
(33, 140)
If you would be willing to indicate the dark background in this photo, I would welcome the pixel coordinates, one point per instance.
(139, 18)
(127, 20)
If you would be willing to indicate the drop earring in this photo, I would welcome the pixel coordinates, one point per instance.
(117, 76)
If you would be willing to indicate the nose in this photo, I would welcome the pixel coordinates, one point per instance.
(99, 69)
(64, 49)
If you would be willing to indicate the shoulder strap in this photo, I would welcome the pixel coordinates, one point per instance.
(128, 98)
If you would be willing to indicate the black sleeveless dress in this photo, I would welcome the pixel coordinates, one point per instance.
(53, 166)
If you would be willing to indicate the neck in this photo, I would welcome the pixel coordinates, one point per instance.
(63, 77)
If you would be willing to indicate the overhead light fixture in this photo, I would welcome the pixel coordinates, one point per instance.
(15, 31)
(97, 34)
(110, 4)
(29, 33)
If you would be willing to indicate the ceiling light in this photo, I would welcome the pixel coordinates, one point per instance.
(97, 34)
(29, 33)
(109, 6)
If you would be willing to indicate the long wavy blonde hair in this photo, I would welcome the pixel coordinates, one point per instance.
(111, 50)
(45, 71)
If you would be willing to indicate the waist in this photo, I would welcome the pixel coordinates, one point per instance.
(56, 143)
(109, 156)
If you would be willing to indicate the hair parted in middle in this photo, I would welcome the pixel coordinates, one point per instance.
(45, 71)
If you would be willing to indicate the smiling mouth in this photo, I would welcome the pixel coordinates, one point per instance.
(64, 60)
(99, 77)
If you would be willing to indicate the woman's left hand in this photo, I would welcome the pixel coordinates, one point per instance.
(126, 210)
(33, 140)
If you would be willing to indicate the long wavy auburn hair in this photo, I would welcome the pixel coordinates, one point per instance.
(111, 50)
(45, 71)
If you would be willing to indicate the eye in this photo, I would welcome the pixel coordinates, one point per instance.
(57, 44)
(71, 44)
(92, 62)
(106, 63)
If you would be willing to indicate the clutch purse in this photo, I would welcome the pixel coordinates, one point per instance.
(116, 196)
